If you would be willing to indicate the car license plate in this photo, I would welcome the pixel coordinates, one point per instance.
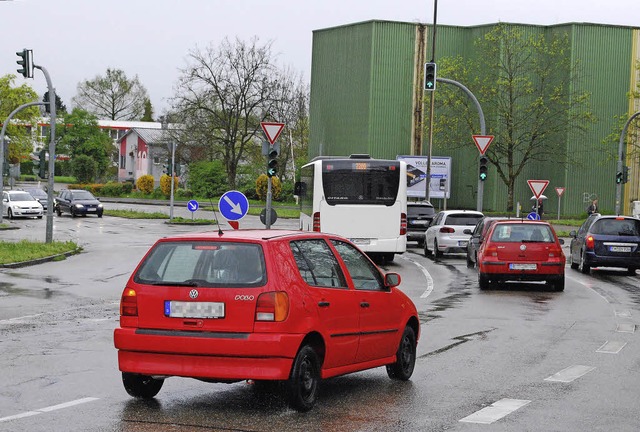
(180, 309)
(619, 248)
(462, 243)
(523, 266)
(91, 209)
(361, 241)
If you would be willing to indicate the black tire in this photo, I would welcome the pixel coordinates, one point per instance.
(558, 284)
(303, 382)
(73, 213)
(631, 271)
(420, 243)
(427, 252)
(99, 215)
(10, 214)
(141, 386)
(388, 257)
(470, 263)
(584, 268)
(58, 211)
(436, 252)
(405, 362)
(39, 217)
(483, 281)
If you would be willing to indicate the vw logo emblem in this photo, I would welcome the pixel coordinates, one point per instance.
(193, 294)
(522, 248)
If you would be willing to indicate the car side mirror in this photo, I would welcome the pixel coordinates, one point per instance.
(392, 280)
(573, 234)
(561, 241)
(468, 231)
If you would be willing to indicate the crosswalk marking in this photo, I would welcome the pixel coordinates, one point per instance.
(569, 374)
(611, 347)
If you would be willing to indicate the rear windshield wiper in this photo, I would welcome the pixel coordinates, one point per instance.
(179, 284)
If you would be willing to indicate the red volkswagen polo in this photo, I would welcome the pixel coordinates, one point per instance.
(521, 250)
(266, 305)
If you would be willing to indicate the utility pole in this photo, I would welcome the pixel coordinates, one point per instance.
(427, 194)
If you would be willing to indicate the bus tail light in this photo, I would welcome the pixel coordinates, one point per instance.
(316, 221)
(129, 303)
(403, 223)
(590, 242)
(272, 306)
(447, 230)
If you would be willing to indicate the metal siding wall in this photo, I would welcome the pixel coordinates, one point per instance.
(632, 188)
(393, 63)
(340, 98)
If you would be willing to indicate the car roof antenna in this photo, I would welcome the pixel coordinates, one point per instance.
(220, 233)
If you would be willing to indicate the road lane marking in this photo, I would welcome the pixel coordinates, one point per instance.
(495, 411)
(626, 328)
(49, 409)
(611, 347)
(569, 374)
(623, 314)
(427, 276)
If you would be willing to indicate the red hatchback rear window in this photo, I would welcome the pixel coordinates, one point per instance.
(522, 233)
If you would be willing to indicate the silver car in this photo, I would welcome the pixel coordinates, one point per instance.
(446, 233)
(20, 204)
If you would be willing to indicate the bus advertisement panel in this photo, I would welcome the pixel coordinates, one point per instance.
(417, 174)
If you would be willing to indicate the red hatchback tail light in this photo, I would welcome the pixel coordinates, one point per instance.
(316, 221)
(403, 223)
(590, 242)
(272, 306)
(447, 230)
(129, 303)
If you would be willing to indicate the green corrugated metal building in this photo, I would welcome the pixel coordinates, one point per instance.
(366, 97)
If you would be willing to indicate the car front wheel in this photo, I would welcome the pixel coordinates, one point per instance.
(10, 214)
(402, 369)
(58, 211)
(574, 265)
(141, 386)
(302, 386)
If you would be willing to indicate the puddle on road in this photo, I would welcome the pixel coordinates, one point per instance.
(9, 289)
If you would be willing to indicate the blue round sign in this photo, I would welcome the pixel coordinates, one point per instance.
(233, 205)
(192, 205)
(533, 216)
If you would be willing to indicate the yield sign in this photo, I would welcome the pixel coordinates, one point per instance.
(559, 191)
(482, 142)
(272, 130)
(538, 186)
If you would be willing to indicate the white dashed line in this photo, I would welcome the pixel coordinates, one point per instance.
(626, 328)
(623, 314)
(495, 411)
(48, 409)
(571, 373)
(611, 347)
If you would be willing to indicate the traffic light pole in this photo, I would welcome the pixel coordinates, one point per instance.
(621, 160)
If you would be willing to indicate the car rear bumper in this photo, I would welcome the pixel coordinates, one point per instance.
(544, 271)
(593, 260)
(218, 356)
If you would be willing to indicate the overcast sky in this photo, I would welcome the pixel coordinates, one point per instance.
(76, 40)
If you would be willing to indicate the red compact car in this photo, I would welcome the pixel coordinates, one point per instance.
(521, 250)
(271, 306)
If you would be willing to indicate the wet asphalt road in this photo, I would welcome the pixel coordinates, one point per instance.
(477, 348)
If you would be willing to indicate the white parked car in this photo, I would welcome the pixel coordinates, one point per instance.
(20, 204)
(446, 234)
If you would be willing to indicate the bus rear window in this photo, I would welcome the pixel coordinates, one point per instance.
(360, 182)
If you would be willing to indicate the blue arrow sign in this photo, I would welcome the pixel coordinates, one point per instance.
(533, 216)
(233, 205)
(192, 205)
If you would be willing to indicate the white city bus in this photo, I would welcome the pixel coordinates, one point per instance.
(357, 197)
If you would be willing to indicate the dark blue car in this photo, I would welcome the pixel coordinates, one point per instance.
(606, 241)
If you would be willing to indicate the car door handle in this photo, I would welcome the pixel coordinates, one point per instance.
(364, 304)
(324, 304)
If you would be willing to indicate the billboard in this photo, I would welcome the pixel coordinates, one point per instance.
(440, 183)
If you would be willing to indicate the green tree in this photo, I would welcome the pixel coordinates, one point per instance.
(61, 108)
(11, 97)
(526, 84)
(113, 96)
(84, 168)
(81, 135)
(148, 111)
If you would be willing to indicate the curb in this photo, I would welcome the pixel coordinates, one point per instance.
(40, 260)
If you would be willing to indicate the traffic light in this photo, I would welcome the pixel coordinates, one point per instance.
(484, 169)
(619, 177)
(430, 76)
(25, 62)
(42, 165)
(168, 170)
(272, 164)
(625, 174)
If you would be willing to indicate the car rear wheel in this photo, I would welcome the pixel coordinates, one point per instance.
(470, 263)
(402, 369)
(302, 386)
(584, 268)
(141, 386)
(574, 265)
(483, 281)
(631, 271)
(436, 252)
(558, 284)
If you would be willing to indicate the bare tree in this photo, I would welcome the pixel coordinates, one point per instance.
(222, 96)
(113, 96)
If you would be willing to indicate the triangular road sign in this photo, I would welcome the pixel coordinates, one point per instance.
(559, 191)
(482, 142)
(272, 130)
(538, 186)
